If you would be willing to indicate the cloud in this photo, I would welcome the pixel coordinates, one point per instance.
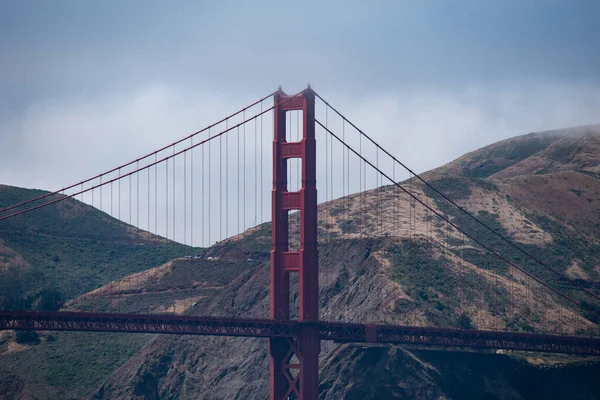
(60, 141)
(61, 47)
(427, 128)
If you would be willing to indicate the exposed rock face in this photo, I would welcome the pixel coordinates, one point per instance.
(355, 286)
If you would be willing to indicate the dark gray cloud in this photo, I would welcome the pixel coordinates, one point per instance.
(62, 47)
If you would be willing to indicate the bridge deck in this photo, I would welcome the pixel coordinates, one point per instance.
(339, 332)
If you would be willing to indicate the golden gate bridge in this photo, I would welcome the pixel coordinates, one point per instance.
(209, 189)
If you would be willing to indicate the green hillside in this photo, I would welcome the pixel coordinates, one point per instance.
(48, 258)
(58, 252)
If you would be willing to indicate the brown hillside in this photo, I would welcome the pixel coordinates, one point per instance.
(535, 189)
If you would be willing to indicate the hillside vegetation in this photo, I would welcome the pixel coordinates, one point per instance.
(67, 249)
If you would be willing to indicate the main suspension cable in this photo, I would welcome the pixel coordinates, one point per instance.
(499, 256)
(143, 157)
(166, 158)
(463, 210)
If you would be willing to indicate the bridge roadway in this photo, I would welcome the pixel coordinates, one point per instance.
(338, 332)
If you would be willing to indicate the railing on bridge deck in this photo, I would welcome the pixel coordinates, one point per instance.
(267, 328)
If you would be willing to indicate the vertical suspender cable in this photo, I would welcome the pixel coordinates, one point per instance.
(119, 262)
(255, 172)
(221, 186)
(192, 194)
(113, 239)
(261, 163)
(378, 193)
(395, 200)
(202, 195)
(344, 199)
(329, 270)
(174, 203)
(185, 182)
(244, 180)
(90, 297)
(327, 209)
(167, 199)
(361, 186)
(166, 208)
(226, 181)
(129, 228)
(101, 204)
(208, 193)
(395, 229)
(192, 211)
(137, 180)
(239, 230)
(347, 183)
(331, 175)
(155, 196)
(148, 243)
(185, 198)
(174, 254)
(359, 194)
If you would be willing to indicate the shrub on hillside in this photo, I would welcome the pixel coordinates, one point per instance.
(27, 337)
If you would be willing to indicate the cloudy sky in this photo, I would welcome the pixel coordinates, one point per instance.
(87, 85)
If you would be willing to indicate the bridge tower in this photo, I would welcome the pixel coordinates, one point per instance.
(297, 375)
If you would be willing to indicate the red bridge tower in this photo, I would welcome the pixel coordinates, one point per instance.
(288, 376)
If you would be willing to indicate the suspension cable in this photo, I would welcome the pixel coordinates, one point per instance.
(166, 158)
(463, 210)
(141, 158)
(499, 256)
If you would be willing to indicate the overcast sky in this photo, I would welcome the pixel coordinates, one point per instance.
(86, 85)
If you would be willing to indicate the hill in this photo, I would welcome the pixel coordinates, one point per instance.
(73, 364)
(47, 260)
(406, 269)
(69, 248)
(403, 266)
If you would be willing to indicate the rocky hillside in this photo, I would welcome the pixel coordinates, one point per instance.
(385, 258)
(408, 267)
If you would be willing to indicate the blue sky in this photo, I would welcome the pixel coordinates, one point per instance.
(92, 84)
